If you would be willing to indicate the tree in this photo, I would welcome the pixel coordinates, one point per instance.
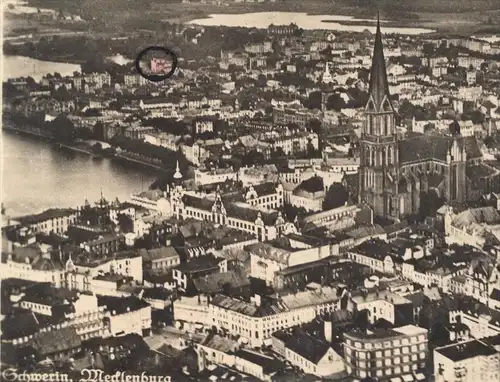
(97, 147)
(63, 129)
(335, 102)
(315, 125)
(335, 197)
(314, 101)
(253, 158)
(126, 223)
(291, 212)
(428, 49)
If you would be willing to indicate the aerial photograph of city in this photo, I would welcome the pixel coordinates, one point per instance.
(250, 190)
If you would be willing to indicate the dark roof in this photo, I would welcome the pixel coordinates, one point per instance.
(378, 249)
(195, 202)
(46, 294)
(426, 147)
(250, 214)
(199, 264)
(379, 86)
(268, 364)
(23, 323)
(262, 189)
(158, 253)
(80, 235)
(465, 350)
(120, 305)
(307, 346)
(215, 283)
(305, 266)
(157, 278)
(156, 294)
(129, 341)
(495, 295)
(52, 213)
(314, 184)
(55, 341)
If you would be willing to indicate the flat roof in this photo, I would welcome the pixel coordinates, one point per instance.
(466, 350)
(410, 330)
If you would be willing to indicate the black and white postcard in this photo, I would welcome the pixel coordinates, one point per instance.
(250, 190)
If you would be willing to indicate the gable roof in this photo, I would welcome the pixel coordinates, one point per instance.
(56, 341)
(307, 346)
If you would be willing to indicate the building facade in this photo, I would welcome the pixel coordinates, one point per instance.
(387, 353)
(393, 172)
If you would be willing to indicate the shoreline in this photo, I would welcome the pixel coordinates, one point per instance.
(75, 148)
(440, 19)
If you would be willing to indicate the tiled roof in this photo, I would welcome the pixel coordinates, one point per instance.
(120, 305)
(20, 324)
(46, 294)
(307, 346)
(267, 308)
(246, 212)
(195, 202)
(486, 215)
(465, 350)
(478, 173)
(426, 147)
(267, 251)
(52, 213)
(263, 189)
(56, 341)
(158, 253)
(308, 298)
(197, 264)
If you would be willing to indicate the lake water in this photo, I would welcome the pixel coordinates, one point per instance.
(262, 20)
(18, 66)
(37, 176)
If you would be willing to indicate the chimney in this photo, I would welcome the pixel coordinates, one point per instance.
(328, 330)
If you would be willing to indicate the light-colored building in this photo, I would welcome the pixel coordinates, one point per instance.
(126, 315)
(472, 226)
(54, 220)
(218, 175)
(308, 353)
(468, 361)
(391, 353)
(266, 260)
(257, 320)
(154, 200)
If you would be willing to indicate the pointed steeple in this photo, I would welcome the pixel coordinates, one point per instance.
(379, 86)
(177, 174)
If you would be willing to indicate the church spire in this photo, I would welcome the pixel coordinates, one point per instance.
(379, 86)
(178, 174)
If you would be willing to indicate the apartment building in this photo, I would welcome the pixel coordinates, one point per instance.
(470, 361)
(386, 353)
(257, 320)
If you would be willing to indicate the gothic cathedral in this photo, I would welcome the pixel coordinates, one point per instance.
(394, 172)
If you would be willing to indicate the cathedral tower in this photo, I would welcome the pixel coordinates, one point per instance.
(455, 174)
(379, 157)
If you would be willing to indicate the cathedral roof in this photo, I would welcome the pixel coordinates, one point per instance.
(379, 86)
(427, 147)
